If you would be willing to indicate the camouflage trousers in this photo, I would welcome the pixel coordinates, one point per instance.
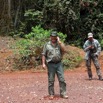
(56, 69)
(96, 64)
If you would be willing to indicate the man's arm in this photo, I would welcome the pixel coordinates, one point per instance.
(87, 47)
(43, 57)
(43, 62)
(62, 46)
(99, 48)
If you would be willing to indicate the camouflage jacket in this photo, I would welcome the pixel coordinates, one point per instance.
(52, 53)
(96, 50)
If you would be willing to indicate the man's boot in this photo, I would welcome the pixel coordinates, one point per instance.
(100, 77)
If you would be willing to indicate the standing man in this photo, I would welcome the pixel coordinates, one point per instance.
(92, 49)
(51, 57)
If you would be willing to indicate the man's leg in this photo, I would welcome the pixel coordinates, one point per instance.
(51, 78)
(88, 65)
(97, 66)
(60, 75)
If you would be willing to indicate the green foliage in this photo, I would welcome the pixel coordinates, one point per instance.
(29, 49)
(100, 36)
(101, 44)
(23, 47)
(39, 34)
(72, 59)
(33, 15)
(73, 18)
(20, 32)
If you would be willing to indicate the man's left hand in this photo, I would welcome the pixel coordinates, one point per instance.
(95, 54)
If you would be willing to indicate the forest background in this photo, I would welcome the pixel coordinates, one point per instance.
(33, 20)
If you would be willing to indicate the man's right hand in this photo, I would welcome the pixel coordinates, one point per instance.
(44, 66)
(90, 47)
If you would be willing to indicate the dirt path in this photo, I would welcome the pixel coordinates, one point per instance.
(31, 87)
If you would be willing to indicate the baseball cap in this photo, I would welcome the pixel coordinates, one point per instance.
(90, 35)
(54, 33)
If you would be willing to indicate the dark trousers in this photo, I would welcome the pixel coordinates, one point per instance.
(58, 70)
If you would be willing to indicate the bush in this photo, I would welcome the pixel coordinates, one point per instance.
(71, 59)
(28, 50)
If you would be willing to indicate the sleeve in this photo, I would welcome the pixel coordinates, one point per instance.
(44, 50)
(98, 48)
(85, 47)
(62, 47)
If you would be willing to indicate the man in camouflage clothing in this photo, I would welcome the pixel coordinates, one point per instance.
(51, 57)
(92, 49)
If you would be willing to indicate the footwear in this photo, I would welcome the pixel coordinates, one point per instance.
(90, 78)
(51, 97)
(100, 77)
(64, 96)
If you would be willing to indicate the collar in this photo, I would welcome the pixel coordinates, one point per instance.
(55, 45)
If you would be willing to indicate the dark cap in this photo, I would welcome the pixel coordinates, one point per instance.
(54, 33)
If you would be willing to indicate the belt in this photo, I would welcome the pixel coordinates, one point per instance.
(54, 62)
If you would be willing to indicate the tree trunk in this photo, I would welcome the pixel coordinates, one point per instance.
(16, 17)
(5, 18)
